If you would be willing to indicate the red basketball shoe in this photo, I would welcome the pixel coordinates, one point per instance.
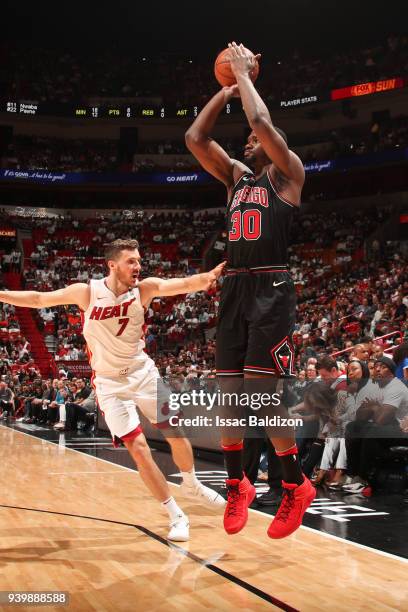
(241, 494)
(296, 499)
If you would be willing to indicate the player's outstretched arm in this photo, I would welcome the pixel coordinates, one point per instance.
(160, 287)
(259, 119)
(78, 293)
(207, 151)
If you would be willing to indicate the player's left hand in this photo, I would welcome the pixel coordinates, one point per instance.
(242, 60)
(231, 92)
(213, 275)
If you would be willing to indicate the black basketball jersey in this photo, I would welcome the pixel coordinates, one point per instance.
(258, 224)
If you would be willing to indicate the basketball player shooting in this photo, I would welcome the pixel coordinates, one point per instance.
(257, 307)
(125, 376)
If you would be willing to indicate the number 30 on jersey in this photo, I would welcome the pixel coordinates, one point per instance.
(245, 224)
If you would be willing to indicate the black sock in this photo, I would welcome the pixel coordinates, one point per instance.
(315, 454)
(291, 470)
(233, 455)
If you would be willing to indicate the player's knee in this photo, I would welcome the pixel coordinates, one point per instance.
(138, 448)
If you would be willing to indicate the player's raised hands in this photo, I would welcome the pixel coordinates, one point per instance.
(242, 60)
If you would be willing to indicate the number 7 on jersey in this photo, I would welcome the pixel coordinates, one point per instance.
(123, 323)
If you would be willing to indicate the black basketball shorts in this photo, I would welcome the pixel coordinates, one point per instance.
(256, 320)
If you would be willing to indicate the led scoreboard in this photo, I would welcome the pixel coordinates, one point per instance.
(106, 112)
(151, 111)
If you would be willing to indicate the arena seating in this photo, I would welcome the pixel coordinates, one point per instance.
(67, 255)
(186, 79)
(40, 153)
(343, 299)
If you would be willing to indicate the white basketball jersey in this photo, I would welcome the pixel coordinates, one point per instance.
(113, 330)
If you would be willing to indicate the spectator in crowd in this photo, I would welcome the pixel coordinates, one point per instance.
(299, 386)
(400, 357)
(371, 367)
(376, 428)
(6, 401)
(318, 409)
(32, 404)
(23, 393)
(311, 373)
(48, 396)
(56, 408)
(329, 373)
(358, 388)
(360, 352)
(73, 409)
(334, 448)
(81, 412)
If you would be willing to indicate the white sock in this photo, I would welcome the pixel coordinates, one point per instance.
(189, 478)
(173, 510)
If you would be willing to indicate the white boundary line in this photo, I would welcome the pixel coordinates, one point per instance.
(316, 531)
(75, 473)
(343, 541)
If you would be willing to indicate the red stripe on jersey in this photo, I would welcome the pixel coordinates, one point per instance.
(132, 434)
(248, 367)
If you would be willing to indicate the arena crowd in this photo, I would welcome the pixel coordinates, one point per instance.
(351, 321)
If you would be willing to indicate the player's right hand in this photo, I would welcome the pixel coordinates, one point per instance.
(242, 60)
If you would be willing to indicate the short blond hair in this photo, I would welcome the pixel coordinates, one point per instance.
(114, 249)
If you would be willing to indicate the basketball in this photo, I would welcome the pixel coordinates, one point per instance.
(223, 72)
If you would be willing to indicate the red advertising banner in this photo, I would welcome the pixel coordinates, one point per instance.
(77, 368)
(365, 89)
(404, 218)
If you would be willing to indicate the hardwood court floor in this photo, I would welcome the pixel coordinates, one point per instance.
(86, 541)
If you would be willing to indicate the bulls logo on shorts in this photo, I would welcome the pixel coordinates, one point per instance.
(283, 355)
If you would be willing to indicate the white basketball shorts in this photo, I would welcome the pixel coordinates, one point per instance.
(118, 397)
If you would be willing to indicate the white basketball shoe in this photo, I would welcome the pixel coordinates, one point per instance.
(179, 529)
(203, 495)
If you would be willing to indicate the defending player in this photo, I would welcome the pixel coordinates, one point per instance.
(257, 306)
(125, 376)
